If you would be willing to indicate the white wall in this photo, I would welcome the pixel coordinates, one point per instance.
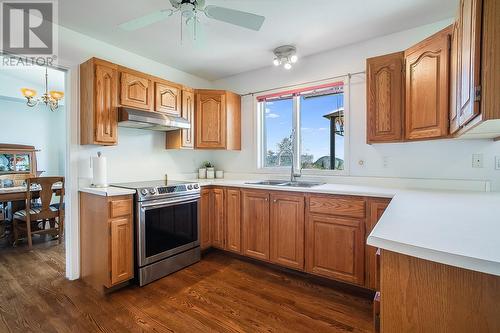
(34, 126)
(139, 154)
(441, 159)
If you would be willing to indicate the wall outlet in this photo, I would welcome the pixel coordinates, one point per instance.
(477, 160)
(385, 161)
(497, 162)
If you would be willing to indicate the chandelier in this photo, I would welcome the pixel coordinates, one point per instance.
(49, 98)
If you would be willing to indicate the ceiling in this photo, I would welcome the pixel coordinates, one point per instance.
(222, 50)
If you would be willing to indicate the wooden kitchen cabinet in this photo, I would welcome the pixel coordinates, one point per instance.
(427, 87)
(376, 207)
(183, 139)
(454, 88)
(233, 220)
(136, 89)
(418, 295)
(478, 76)
(469, 57)
(168, 98)
(217, 217)
(287, 230)
(255, 224)
(217, 120)
(205, 232)
(335, 234)
(212, 226)
(121, 236)
(384, 95)
(98, 102)
(106, 236)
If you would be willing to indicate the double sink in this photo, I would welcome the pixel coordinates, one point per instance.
(284, 183)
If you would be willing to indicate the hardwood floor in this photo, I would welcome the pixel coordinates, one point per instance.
(219, 294)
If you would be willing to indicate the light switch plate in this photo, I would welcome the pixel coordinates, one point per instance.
(497, 162)
(477, 160)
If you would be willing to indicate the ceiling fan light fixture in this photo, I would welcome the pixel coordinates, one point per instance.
(285, 55)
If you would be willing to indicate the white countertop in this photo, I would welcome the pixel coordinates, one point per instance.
(109, 191)
(341, 189)
(456, 228)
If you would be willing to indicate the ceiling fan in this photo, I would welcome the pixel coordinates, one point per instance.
(189, 10)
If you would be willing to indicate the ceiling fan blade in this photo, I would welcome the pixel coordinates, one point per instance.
(236, 17)
(146, 20)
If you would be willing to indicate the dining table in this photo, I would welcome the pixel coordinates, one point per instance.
(17, 195)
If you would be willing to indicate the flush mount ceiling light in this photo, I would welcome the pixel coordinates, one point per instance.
(285, 55)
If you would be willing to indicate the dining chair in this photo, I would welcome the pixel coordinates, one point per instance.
(29, 219)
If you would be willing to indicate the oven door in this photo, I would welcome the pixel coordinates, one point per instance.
(167, 227)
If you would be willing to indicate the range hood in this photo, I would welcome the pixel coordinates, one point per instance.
(147, 120)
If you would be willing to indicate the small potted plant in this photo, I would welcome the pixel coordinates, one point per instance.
(202, 172)
(210, 169)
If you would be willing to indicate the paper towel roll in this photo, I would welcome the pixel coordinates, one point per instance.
(99, 171)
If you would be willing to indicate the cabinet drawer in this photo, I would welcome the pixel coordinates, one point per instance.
(122, 207)
(337, 205)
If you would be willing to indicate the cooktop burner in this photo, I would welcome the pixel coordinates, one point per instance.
(159, 188)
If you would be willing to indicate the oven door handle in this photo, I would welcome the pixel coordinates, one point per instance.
(170, 202)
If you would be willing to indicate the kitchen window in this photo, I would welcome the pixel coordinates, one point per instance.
(314, 118)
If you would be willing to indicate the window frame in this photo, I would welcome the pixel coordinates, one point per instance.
(261, 134)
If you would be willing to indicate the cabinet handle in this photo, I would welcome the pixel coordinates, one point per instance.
(274, 200)
(267, 199)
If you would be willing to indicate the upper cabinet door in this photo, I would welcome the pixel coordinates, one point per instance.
(385, 98)
(469, 57)
(168, 98)
(188, 113)
(427, 88)
(211, 121)
(136, 91)
(105, 111)
(454, 53)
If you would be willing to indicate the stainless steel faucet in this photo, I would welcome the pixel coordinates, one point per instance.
(294, 175)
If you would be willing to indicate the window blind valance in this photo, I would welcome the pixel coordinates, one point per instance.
(319, 90)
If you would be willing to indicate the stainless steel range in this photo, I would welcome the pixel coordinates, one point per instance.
(166, 227)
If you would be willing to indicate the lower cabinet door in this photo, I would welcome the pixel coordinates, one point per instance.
(121, 250)
(233, 220)
(217, 217)
(256, 224)
(205, 237)
(287, 230)
(335, 247)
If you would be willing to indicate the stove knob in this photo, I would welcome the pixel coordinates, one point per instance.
(196, 186)
(152, 191)
(190, 187)
(144, 191)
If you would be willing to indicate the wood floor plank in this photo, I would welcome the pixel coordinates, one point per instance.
(219, 294)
